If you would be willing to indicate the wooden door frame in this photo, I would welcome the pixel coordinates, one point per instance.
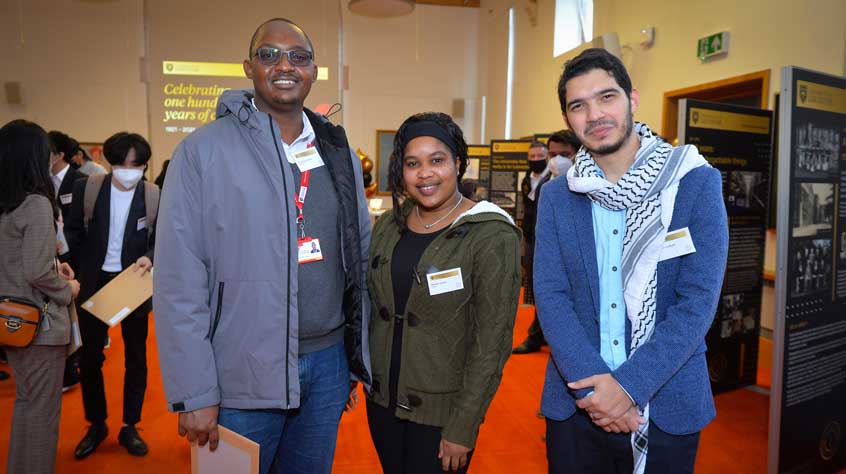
(745, 85)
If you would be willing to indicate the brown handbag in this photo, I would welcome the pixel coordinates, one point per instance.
(19, 320)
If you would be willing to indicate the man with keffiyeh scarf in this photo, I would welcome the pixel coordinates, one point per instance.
(631, 253)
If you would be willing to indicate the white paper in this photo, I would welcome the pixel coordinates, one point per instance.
(234, 455)
(119, 316)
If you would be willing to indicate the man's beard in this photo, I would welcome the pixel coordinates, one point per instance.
(614, 147)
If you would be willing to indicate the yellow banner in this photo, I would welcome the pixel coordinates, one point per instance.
(811, 95)
(511, 147)
(476, 151)
(729, 121)
(193, 68)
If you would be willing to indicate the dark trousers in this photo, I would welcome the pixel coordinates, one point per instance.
(405, 447)
(134, 332)
(577, 445)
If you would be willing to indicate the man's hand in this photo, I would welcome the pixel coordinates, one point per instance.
(453, 456)
(608, 401)
(65, 271)
(627, 423)
(201, 426)
(353, 400)
(144, 264)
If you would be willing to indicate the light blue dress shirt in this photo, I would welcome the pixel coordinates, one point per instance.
(609, 227)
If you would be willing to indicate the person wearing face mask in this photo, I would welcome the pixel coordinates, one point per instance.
(562, 146)
(530, 187)
(111, 227)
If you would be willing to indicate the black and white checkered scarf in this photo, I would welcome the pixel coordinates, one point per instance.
(647, 193)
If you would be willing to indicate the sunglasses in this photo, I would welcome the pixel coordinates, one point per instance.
(270, 56)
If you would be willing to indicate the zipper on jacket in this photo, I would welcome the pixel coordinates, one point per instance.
(287, 224)
(217, 312)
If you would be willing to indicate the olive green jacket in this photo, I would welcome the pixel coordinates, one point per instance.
(454, 344)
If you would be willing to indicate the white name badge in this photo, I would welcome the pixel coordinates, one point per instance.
(308, 159)
(445, 281)
(308, 250)
(142, 224)
(676, 244)
(66, 199)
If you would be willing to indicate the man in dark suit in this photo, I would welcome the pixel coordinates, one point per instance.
(63, 174)
(530, 188)
(117, 236)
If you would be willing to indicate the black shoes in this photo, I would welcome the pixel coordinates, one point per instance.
(96, 434)
(4, 375)
(128, 438)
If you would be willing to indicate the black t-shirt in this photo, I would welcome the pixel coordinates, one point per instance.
(404, 262)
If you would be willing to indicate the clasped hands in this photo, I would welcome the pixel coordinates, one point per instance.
(609, 406)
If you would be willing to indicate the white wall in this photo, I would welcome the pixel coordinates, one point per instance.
(414, 63)
(765, 34)
(78, 64)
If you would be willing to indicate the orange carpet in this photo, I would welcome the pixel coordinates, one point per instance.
(509, 442)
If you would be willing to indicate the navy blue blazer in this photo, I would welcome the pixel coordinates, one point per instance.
(668, 372)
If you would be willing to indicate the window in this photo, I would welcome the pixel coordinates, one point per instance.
(573, 24)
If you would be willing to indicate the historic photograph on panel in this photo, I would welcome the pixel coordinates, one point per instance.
(815, 212)
(737, 317)
(746, 190)
(810, 265)
(817, 149)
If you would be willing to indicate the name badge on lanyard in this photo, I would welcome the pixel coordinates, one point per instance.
(308, 159)
(308, 248)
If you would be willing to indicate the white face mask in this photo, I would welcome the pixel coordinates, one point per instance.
(559, 164)
(128, 177)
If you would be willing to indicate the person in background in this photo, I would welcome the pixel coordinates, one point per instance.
(531, 186)
(86, 164)
(120, 233)
(444, 280)
(64, 173)
(563, 146)
(28, 270)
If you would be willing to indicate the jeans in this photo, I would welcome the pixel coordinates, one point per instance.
(300, 440)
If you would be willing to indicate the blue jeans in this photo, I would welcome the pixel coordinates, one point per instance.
(301, 440)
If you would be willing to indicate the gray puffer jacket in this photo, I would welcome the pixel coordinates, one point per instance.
(225, 280)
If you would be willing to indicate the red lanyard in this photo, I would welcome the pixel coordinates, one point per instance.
(299, 200)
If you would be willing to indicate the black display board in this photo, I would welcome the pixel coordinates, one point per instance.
(737, 141)
(808, 396)
(509, 164)
(479, 171)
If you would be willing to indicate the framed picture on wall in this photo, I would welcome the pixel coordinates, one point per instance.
(384, 148)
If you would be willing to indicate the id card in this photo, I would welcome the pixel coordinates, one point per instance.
(308, 159)
(66, 199)
(676, 244)
(309, 250)
(142, 224)
(445, 281)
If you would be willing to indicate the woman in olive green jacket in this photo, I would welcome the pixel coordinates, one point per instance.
(444, 279)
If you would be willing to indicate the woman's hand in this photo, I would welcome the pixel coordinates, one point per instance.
(453, 456)
(65, 271)
(74, 288)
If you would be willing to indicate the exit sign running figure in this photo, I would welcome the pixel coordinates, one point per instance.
(709, 46)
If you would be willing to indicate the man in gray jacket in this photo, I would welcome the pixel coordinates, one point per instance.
(255, 331)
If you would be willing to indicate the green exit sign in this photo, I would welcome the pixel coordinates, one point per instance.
(718, 43)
